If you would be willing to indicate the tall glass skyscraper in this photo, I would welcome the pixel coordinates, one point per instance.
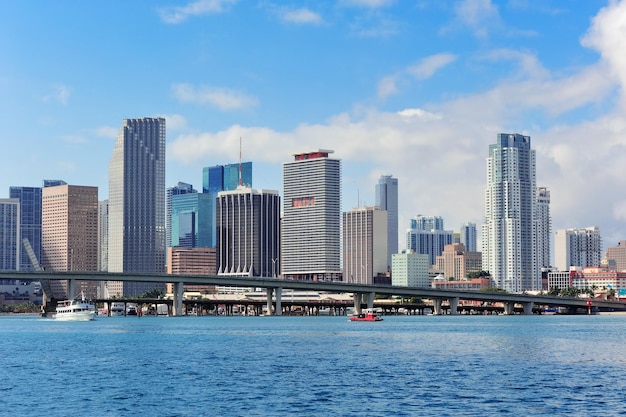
(427, 236)
(30, 222)
(387, 199)
(181, 188)
(508, 235)
(468, 236)
(137, 201)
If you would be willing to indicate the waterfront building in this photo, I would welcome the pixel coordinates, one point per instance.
(618, 254)
(543, 228)
(410, 269)
(596, 278)
(182, 188)
(467, 236)
(69, 235)
(311, 237)
(386, 194)
(137, 201)
(192, 261)
(191, 216)
(364, 244)
(10, 245)
(577, 247)
(456, 262)
(473, 284)
(30, 223)
(508, 235)
(248, 235)
(427, 236)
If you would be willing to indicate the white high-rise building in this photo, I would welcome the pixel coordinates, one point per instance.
(364, 244)
(387, 199)
(577, 247)
(543, 228)
(137, 201)
(310, 233)
(508, 231)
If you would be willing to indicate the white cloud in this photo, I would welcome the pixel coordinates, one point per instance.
(174, 122)
(301, 16)
(429, 65)
(177, 14)
(60, 94)
(478, 15)
(222, 98)
(108, 132)
(387, 87)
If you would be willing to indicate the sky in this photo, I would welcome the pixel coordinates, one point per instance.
(414, 89)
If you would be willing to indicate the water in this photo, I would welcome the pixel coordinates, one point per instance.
(314, 366)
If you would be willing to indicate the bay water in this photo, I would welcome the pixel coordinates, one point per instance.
(314, 366)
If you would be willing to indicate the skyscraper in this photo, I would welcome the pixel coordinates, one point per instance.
(543, 228)
(137, 201)
(248, 241)
(103, 235)
(468, 236)
(311, 239)
(427, 236)
(9, 234)
(69, 235)
(577, 247)
(181, 188)
(364, 244)
(508, 236)
(30, 222)
(191, 216)
(387, 199)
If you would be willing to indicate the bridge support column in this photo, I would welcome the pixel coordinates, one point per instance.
(454, 304)
(71, 289)
(268, 300)
(370, 299)
(178, 299)
(357, 297)
(509, 308)
(279, 308)
(528, 307)
(437, 306)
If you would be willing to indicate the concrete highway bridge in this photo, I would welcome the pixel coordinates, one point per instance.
(363, 295)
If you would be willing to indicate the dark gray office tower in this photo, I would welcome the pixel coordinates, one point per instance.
(387, 199)
(137, 201)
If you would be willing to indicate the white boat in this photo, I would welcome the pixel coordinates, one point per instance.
(117, 309)
(76, 310)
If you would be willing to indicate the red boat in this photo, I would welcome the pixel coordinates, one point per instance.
(367, 315)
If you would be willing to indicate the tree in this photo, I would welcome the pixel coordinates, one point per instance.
(153, 293)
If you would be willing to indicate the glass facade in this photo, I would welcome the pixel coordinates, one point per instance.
(191, 220)
(30, 222)
(9, 234)
(386, 192)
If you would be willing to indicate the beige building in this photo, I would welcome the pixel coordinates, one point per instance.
(69, 234)
(456, 262)
(192, 261)
(617, 254)
(364, 244)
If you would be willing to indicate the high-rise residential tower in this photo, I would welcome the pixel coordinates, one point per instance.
(311, 236)
(30, 222)
(69, 235)
(387, 199)
(577, 247)
(364, 245)
(508, 234)
(248, 228)
(137, 201)
(10, 244)
(543, 228)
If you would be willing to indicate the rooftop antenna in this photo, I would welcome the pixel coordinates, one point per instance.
(240, 178)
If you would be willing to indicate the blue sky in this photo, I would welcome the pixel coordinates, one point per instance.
(415, 89)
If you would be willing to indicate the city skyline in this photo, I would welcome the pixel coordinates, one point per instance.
(378, 82)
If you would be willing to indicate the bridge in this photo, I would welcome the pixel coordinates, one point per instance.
(362, 294)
